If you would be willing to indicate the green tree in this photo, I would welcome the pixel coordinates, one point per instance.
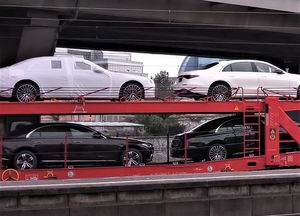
(162, 85)
(158, 124)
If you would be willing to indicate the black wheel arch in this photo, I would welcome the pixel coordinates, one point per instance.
(136, 147)
(219, 82)
(18, 150)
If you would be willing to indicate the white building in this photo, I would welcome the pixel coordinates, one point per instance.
(113, 61)
(120, 62)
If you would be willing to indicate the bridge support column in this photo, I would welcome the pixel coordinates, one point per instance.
(39, 38)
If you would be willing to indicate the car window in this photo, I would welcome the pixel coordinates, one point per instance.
(81, 132)
(227, 68)
(226, 127)
(239, 67)
(233, 124)
(56, 64)
(191, 63)
(50, 132)
(237, 124)
(261, 67)
(208, 126)
(82, 66)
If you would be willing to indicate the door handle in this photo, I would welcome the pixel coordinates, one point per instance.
(77, 142)
(38, 142)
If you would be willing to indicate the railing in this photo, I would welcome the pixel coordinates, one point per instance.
(197, 93)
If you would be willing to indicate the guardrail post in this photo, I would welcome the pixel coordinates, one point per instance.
(168, 147)
(185, 147)
(126, 151)
(1, 151)
(65, 151)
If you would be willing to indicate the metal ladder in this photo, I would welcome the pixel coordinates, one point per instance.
(251, 131)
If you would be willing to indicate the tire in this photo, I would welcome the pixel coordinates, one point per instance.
(26, 92)
(25, 160)
(216, 152)
(131, 92)
(219, 92)
(135, 158)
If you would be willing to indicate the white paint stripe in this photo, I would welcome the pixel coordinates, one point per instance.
(171, 180)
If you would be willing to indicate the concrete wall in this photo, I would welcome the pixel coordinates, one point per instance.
(218, 196)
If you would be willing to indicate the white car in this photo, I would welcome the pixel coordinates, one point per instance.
(70, 77)
(219, 80)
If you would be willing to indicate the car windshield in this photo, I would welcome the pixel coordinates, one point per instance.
(191, 63)
(21, 129)
(209, 125)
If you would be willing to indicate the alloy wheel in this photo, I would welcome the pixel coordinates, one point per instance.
(25, 160)
(26, 93)
(217, 152)
(220, 92)
(134, 158)
(132, 92)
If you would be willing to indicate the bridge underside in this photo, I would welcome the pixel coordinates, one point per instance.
(234, 29)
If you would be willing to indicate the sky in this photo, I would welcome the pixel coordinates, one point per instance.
(154, 63)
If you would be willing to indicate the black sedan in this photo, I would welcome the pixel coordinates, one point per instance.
(48, 145)
(223, 138)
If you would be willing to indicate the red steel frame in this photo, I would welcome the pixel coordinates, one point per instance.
(273, 108)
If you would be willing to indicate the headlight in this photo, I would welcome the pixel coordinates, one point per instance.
(148, 145)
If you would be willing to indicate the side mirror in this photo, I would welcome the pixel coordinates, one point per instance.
(96, 70)
(278, 72)
(98, 135)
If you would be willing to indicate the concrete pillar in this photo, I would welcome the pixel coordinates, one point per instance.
(39, 38)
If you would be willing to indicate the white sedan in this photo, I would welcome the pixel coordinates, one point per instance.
(245, 78)
(70, 77)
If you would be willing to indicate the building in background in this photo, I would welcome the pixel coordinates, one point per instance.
(120, 62)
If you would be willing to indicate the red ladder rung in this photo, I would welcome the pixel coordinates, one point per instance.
(287, 141)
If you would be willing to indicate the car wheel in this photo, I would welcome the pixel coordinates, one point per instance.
(219, 92)
(25, 160)
(26, 92)
(135, 158)
(131, 92)
(216, 152)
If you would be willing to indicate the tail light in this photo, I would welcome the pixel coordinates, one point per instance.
(188, 76)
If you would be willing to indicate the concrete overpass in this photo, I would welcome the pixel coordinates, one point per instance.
(266, 30)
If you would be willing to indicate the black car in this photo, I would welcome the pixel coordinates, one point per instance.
(44, 146)
(223, 138)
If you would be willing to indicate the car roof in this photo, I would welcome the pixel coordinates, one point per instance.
(22, 130)
(241, 60)
(58, 57)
